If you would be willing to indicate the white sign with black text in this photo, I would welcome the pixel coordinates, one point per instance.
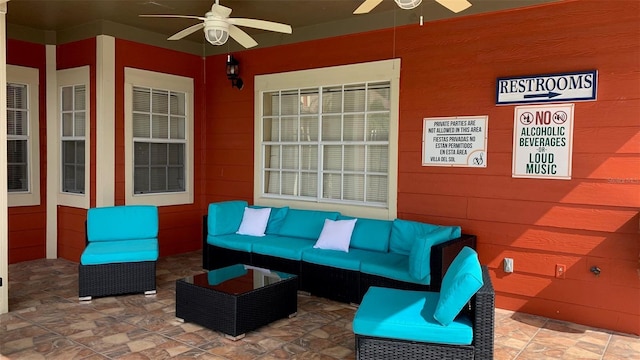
(455, 141)
(542, 141)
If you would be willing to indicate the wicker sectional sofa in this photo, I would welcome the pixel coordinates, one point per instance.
(396, 253)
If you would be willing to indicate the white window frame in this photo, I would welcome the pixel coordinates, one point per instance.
(377, 71)
(70, 77)
(155, 80)
(29, 77)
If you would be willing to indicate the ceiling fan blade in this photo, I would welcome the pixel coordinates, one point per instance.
(261, 24)
(176, 16)
(455, 5)
(188, 31)
(367, 6)
(241, 37)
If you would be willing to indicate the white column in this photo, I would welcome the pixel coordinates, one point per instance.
(4, 234)
(52, 151)
(105, 120)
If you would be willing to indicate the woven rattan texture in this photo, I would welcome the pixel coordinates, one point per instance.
(483, 315)
(236, 314)
(116, 278)
(330, 282)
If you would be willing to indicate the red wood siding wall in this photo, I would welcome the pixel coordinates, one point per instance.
(449, 68)
(71, 228)
(27, 224)
(180, 226)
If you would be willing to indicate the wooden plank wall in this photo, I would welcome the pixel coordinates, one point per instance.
(449, 68)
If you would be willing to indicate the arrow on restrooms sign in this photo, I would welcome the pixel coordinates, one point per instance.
(575, 86)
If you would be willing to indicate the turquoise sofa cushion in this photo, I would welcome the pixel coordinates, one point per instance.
(234, 241)
(122, 223)
(420, 255)
(305, 223)
(461, 281)
(225, 217)
(276, 218)
(281, 246)
(120, 251)
(333, 258)
(218, 276)
(408, 315)
(370, 234)
(404, 233)
(389, 265)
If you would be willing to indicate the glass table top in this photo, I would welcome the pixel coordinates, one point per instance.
(237, 279)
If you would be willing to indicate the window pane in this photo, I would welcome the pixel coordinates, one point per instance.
(80, 98)
(309, 101)
(141, 153)
(353, 187)
(290, 157)
(141, 125)
(332, 100)
(176, 154)
(73, 171)
(141, 99)
(272, 182)
(309, 157)
(17, 170)
(270, 129)
(379, 96)
(354, 127)
(17, 96)
(378, 127)
(289, 129)
(140, 180)
(354, 158)
(331, 128)
(289, 183)
(79, 124)
(309, 185)
(176, 179)
(290, 101)
(309, 128)
(378, 158)
(332, 157)
(272, 156)
(17, 122)
(67, 124)
(178, 104)
(332, 186)
(354, 98)
(158, 179)
(377, 187)
(160, 127)
(69, 152)
(177, 128)
(270, 104)
(67, 98)
(160, 101)
(159, 154)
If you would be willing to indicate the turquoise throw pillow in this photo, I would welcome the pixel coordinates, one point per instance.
(461, 281)
(305, 223)
(420, 255)
(225, 217)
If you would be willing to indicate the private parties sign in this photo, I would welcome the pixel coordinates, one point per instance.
(455, 141)
(542, 141)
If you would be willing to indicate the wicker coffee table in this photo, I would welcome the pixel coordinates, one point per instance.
(236, 299)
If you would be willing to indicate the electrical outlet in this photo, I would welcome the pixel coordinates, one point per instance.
(560, 270)
(508, 265)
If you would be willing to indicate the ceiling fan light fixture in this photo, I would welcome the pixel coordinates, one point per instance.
(216, 36)
(408, 4)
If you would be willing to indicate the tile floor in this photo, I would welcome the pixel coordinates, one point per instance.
(46, 321)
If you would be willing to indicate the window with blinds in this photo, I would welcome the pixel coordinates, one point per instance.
(74, 120)
(17, 137)
(328, 143)
(159, 140)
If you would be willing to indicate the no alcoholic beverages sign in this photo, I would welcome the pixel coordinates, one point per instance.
(542, 141)
(455, 141)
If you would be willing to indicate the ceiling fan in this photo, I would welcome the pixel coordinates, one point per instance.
(218, 26)
(454, 5)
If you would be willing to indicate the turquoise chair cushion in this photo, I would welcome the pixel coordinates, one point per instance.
(389, 265)
(280, 246)
(233, 241)
(120, 251)
(461, 281)
(420, 255)
(404, 233)
(333, 258)
(225, 217)
(408, 315)
(370, 234)
(218, 276)
(122, 223)
(305, 223)
(276, 219)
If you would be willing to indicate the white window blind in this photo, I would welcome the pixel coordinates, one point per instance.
(159, 140)
(73, 112)
(17, 137)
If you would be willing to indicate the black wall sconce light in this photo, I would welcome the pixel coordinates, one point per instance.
(233, 72)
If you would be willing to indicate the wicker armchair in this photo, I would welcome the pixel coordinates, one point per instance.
(121, 252)
(481, 312)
